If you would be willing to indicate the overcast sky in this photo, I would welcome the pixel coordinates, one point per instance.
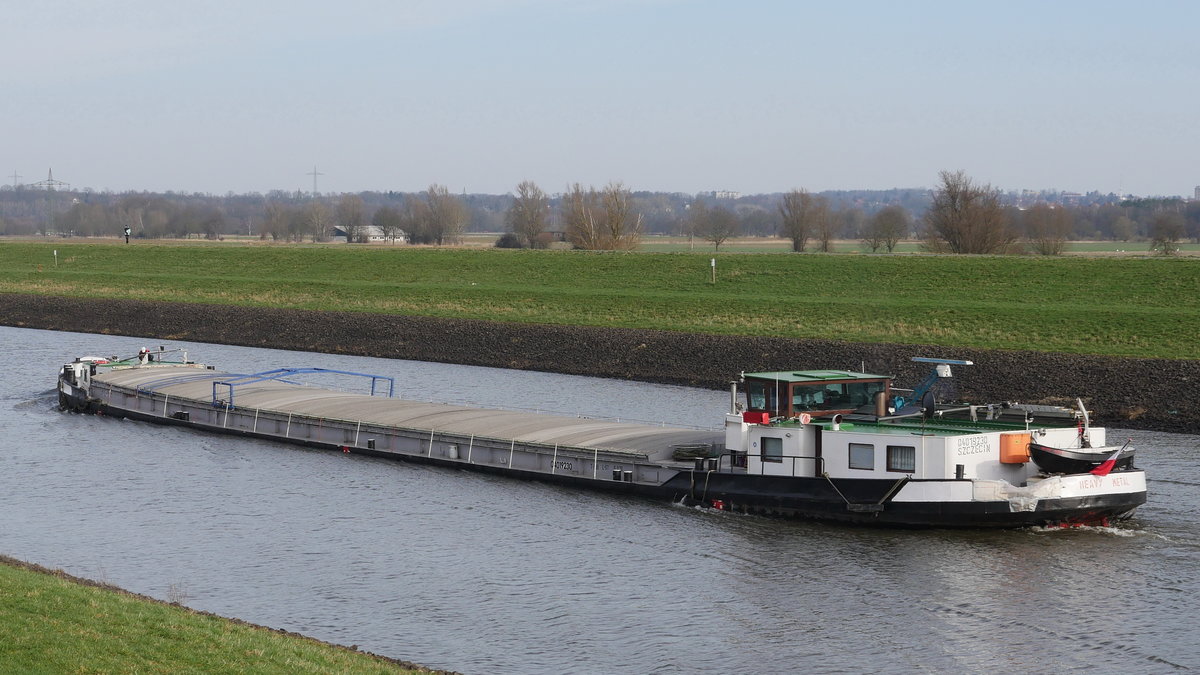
(664, 95)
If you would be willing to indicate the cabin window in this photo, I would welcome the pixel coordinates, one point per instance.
(808, 398)
(901, 458)
(761, 396)
(834, 395)
(862, 456)
(772, 449)
(863, 393)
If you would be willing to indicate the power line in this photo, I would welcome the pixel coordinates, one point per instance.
(50, 185)
(314, 173)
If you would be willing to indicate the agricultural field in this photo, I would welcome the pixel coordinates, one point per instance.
(1123, 306)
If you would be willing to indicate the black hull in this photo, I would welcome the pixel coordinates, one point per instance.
(865, 503)
(862, 502)
(1076, 460)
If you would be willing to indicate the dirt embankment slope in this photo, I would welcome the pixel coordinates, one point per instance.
(1132, 393)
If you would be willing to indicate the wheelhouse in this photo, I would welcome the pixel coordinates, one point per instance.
(815, 392)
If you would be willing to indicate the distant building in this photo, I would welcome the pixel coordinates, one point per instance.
(725, 194)
(372, 233)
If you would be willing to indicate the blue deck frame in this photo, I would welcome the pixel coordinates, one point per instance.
(281, 373)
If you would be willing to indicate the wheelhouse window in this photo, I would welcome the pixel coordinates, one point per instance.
(862, 456)
(901, 458)
(761, 396)
(772, 450)
(834, 395)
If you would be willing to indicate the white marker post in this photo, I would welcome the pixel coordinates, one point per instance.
(56, 257)
(714, 270)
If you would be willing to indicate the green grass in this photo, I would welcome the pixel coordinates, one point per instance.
(675, 244)
(49, 624)
(1129, 306)
(1123, 247)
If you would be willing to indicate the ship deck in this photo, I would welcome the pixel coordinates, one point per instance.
(654, 443)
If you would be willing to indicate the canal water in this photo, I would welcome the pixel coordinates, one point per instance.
(485, 574)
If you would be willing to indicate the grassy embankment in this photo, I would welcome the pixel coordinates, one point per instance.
(49, 624)
(1115, 306)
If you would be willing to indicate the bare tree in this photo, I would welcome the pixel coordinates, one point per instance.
(966, 218)
(414, 219)
(1123, 228)
(1167, 228)
(695, 224)
(351, 218)
(622, 229)
(316, 221)
(601, 220)
(156, 222)
(852, 222)
(275, 221)
(212, 222)
(280, 223)
(1047, 228)
(446, 216)
(721, 224)
(526, 218)
(886, 228)
(71, 222)
(389, 221)
(830, 223)
(756, 220)
(802, 212)
(131, 216)
(1191, 216)
(872, 236)
(580, 216)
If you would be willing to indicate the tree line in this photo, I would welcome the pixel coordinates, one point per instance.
(967, 217)
(431, 217)
(958, 216)
(434, 216)
(591, 219)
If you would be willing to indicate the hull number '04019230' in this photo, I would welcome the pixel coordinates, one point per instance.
(972, 445)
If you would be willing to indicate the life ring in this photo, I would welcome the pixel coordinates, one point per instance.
(805, 418)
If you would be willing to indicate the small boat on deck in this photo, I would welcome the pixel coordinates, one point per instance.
(823, 444)
(1053, 460)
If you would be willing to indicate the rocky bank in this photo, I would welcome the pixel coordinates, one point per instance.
(1156, 394)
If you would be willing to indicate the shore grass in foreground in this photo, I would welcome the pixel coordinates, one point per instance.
(1142, 307)
(52, 624)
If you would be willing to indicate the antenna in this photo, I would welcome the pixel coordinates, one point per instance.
(314, 173)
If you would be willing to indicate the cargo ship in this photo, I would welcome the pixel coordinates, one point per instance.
(831, 445)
